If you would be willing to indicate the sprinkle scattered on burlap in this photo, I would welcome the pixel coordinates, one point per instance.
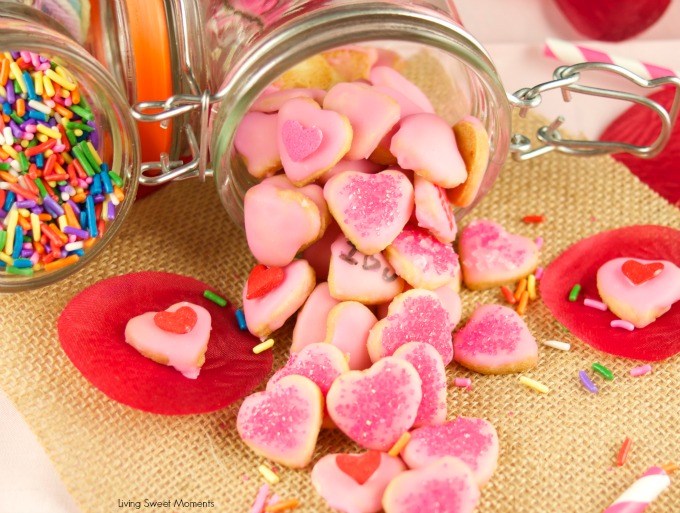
(557, 450)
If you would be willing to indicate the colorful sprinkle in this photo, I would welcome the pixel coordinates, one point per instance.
(268, 474)
(670, 467)
(598, 305)
(533, 219)
(536, 385)
(462, 382)
(241, 319)
(623, 452)
(641, 371)
(603, 371)
(620, 323)
(508, 295)
(260, 499)
(573, 295)
(400, 444)
(282, 506)
(263, 346)
(521, 287)
(218, 300)
(586, 382)
(523, 301)
(556, 344)
(531, 286)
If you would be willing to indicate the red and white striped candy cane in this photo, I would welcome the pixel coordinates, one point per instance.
(642, 492)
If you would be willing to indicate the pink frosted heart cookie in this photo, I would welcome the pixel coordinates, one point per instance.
(312, 191)
(421, 259)
(353, 276)
(473, 145)
(311, 140)
(310, 325)
(496, 340)
(376, 406)
(343, 492)
(268, 313)
(433, 210)
(451, 300)
(255, 142)
(279, 223)
(283, 423)
(385, 76)
(349, 324)
(271, 101)
(319, 362)
(360, 166)
(639, 291)
(370, 209)
(371, 114)
(490, 256)
(473, 441)
(444, 486)
(425, 143)
(406, 105)
(414, 316)
(174, 337)
(430, 368)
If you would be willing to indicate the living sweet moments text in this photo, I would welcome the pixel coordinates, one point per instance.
(156, 504)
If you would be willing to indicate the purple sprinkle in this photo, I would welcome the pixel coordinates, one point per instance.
(15, 55)
(585, 381)
(3, 213)
(76, 209)
(26, 204)
(16, 131)
(111, 214)
(48, 248)
(2, 100)
(37, 210)
(26, 253)
(11, 96)
(53, 205)
(43, 58)
(81, 234)
(98, 198)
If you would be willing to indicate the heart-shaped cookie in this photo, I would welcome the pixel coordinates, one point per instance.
(255, 142)
(430, 368)
(354, 276)
(496, 340)
(473, 441)
(376, 406)
(348, 326)
(490, 256)
(473, 145)
(386, 76)
(271, 101)
(170, 343)
(433, 210)
(414, 316)
(444, 486)
(283, 423)
(637, 290)
(370, 209)
(421, 259)
(279, 223)
(310, 325)
(311, 140)
(355, 483)
(268, 313)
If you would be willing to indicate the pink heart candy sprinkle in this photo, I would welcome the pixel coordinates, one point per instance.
(300, 142)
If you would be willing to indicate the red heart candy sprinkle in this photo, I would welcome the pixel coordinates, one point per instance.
(181, 321)
(359, 467)
(263, 280)
(639, 273)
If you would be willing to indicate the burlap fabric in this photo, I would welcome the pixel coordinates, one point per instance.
(557, 450)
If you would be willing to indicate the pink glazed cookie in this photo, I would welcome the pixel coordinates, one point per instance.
(156, 336)
(255, 141)
(445, 486)
(490, 256)
(639, 291)
(473, 441)
(283, 423)
(496, 340)
(312, 191)
(414, 316)
(360, 166)
(433, 210)
(385, 76)
(268, 313)
(376, 406)
(272, 101)
(430, 368)
(310, 325)
(370, 209)
(421, 259)
(344, 493)
(473, 144)
(349, 324)
(311, 140)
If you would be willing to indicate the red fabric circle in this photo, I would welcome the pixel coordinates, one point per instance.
(92, 334)
(579, 264)
(639, 125)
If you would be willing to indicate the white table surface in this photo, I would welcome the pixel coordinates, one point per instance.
(513, 31)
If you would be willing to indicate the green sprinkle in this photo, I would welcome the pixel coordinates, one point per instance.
(26, 238)
(603, 371)
(215, 298)
(71, 137)
(3, 238)
(81, 126)
(4, 166)
(90, 158)
(23, 161)
(78, 152)
(24, 271)
(41, 187)
(115, 178)
(83, 113)
(573, 295)
(16, 118)
(31, 143)
(17, 87)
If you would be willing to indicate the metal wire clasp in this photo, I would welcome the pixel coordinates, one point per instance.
(566, 78)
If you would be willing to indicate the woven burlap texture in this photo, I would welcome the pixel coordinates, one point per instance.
(557, 450)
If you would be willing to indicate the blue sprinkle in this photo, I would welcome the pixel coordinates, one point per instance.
(91, 217)
(39, 160)
(78, 252)
(35, 114)
(30, 88)
(585, 381)
(18, 242)
(106, 181)
(241, 319)
(96, 185)
(83, 218)
(6, 108)
(23, 263)
(9, 200)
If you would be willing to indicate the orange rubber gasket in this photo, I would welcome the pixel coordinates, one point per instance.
(153, 75)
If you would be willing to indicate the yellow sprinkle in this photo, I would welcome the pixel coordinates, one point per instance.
(77, 132)
(49, 88)
(12, 219)
(63, 82)
(67, 157)
(7, 259)
(268, 474)
(38, 83)
(8, 56)
(3, 91)
(24, 212)
(14, 68)
(35, 227)
(37, 267)
(539, 387)
(65, 73)
(10, 151)
(531, 286)
(65, 93)
(105, 211)
(63, 223)
(49, 132)
(96, 156)
(24, 143)
(52, 183)
(43, 138)
(267, 344)
(399, 446)
(79, 190)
